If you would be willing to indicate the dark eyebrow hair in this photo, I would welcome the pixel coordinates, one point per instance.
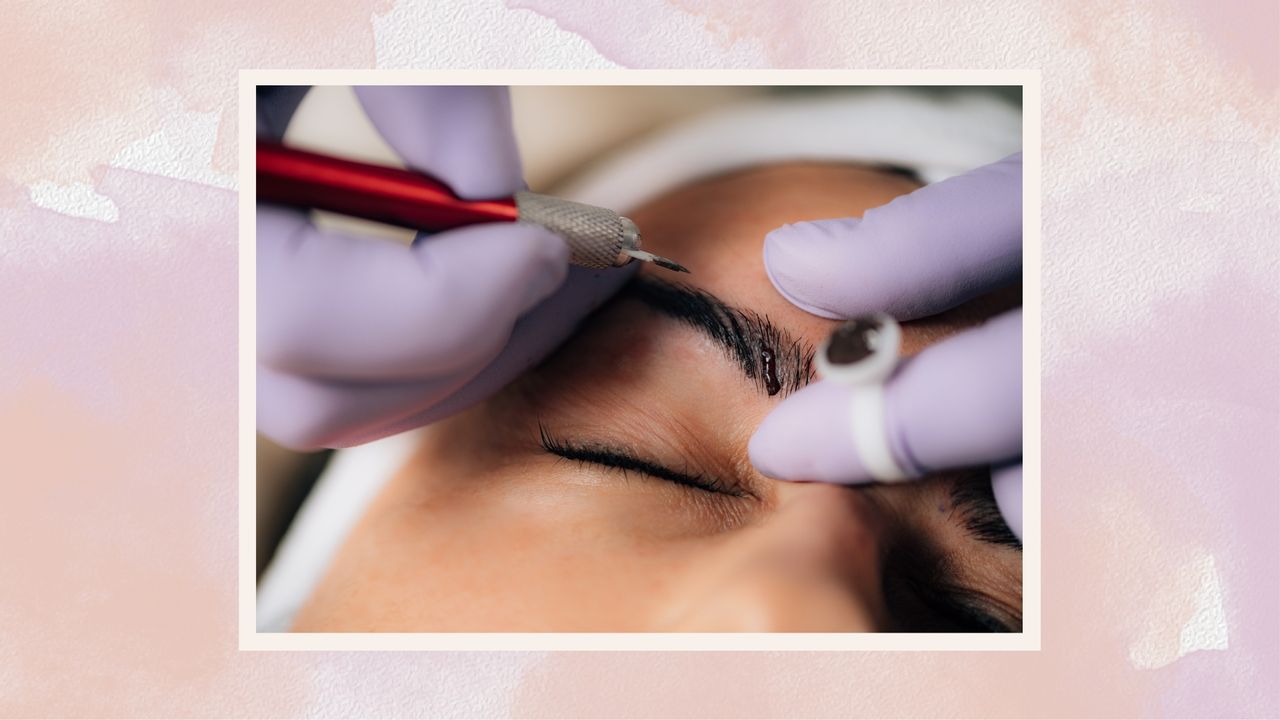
(744, 335)
(980, 515)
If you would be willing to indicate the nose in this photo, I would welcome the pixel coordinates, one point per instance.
(812, 566)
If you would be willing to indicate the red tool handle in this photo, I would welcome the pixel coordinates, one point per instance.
(400, 197)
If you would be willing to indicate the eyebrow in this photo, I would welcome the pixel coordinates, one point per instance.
(980, 515)
(775, 361)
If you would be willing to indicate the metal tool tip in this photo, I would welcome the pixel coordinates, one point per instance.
(668, 264)
(658, 260)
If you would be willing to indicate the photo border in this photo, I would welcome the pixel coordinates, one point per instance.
(1027, 640)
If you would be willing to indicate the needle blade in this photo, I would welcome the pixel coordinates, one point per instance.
(657, 260)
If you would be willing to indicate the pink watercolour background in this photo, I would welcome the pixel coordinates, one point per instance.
(1161, 357)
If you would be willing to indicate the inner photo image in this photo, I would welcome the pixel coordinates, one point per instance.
(639, 359)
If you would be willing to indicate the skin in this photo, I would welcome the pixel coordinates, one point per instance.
(483, 530)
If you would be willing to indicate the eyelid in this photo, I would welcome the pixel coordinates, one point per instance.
(972, 606)
(943, 595)
(625, 459)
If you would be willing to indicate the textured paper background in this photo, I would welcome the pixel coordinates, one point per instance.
(1161, 388)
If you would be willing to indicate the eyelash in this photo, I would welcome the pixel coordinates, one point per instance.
(623, 461)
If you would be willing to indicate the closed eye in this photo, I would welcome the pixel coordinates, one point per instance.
(626, 461)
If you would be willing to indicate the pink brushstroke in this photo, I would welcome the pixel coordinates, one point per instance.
(1161, 405)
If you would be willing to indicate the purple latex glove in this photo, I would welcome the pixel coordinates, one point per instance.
(361, 338)
(957, 403)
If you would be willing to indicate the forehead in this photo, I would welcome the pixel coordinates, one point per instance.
(716, 228)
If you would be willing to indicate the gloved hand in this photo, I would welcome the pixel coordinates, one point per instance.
(959, 402)
(360, 338)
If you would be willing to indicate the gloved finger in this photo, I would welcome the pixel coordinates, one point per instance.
(922, 253)
(306, 413)
(340, 307)
(275, 106)
(1006, 485)
(535, 336)
(956, 404)
(460, 135)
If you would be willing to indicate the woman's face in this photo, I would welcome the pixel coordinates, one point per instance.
(610, 490)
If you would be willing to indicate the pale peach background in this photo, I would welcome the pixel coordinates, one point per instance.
(1161, 386)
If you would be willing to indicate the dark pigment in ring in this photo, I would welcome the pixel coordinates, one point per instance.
(854, 341)
(771, 384)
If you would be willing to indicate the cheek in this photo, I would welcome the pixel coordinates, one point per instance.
(812, 564)
(534, 553)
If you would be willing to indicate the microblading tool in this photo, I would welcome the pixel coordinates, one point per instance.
(597, 237)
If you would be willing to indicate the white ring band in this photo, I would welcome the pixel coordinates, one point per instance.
(865, 379)
(871, 433)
